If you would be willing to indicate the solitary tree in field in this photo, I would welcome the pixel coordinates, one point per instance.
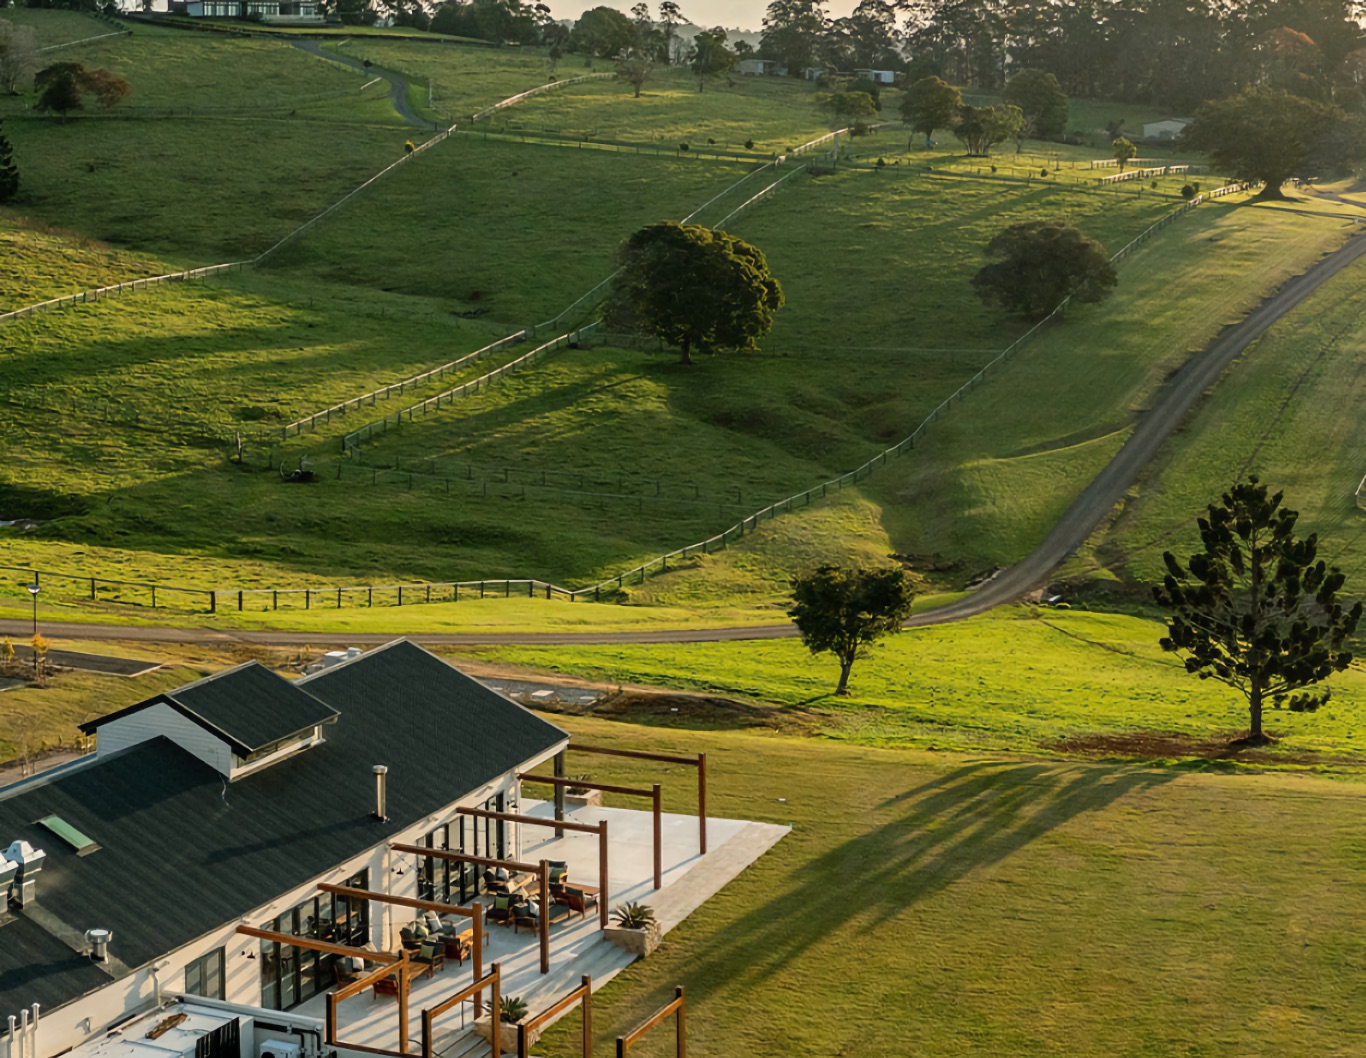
(843, 611)
(1041, 100)
(1040, 263)
(1261, 134)
(63, 87)
(930, 104)
(9, 172)
(1256, 609)
(710, 56)
(854, 109)
(695, 288)
(981, 128)
(635, 68)
(1124, 151)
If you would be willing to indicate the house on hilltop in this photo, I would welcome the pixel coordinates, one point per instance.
(274, 12)
(1166, 129)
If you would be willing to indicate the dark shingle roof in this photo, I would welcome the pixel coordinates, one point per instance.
(182, 853)
(249, 707)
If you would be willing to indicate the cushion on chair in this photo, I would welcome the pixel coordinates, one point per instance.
(502, 902)
(428, 951)
(502, 874)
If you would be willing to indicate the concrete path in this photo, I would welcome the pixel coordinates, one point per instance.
(1171, 405)
(398, 87)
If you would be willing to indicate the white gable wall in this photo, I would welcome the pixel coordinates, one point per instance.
(161, 719)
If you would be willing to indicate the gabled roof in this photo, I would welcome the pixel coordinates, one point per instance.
(248, 707)
(183, 854)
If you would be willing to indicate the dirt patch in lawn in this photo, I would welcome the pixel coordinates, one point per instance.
(668, 709)
(1168, 745)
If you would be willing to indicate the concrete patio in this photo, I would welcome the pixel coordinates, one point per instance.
(577, 946)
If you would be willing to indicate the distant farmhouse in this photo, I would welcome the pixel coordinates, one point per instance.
(279, 12)
(1166, 129)
(877, 76)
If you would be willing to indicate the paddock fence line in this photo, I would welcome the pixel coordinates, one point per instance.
(146, 593)
(119, 289)
(481, 115)
(381, 426)
(157, 596)
(84, 40)
(721, 540)
(310, 422)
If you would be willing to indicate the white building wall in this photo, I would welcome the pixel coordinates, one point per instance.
(161, 719)
(73, 1024)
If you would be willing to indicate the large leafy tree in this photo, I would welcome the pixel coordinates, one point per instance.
(981, 128)
(843, 611)
(602, 33)
(854, 109)
(793, 34)
(1041, 100)
(1261, 134)
(695, 288)
(63, 87)
(1040, 263)
(1255, 608)
(710, 56)
(928, 104)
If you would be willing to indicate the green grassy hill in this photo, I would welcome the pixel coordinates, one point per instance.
(602, 456)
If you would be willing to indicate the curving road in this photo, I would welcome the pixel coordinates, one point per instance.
(398, 87)
(1171, 405)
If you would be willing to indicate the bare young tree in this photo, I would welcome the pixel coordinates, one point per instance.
(18, 55)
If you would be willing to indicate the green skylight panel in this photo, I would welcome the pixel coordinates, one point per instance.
(73, 837)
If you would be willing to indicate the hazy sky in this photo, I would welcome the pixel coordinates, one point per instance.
(747, 14)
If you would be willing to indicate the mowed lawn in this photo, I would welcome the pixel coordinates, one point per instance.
(1288, 411)
(1020, 679)
(949, 905)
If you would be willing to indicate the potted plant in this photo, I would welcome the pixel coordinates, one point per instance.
(581, 796)
(636, 929)
(512, 1011)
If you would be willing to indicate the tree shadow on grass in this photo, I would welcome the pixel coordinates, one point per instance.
(928, 838)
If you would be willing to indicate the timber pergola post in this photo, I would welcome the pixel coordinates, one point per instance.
(492, 981)
(403, 968)
(600, 829)
(654, 793)
(583, 995)
(699, 762)
(475, 913)
(674, 1008)
(541, 870)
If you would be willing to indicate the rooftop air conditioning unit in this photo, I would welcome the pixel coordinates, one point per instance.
(280, 1049)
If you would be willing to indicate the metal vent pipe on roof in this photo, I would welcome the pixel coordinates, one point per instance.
(381, 804)
(99, 939)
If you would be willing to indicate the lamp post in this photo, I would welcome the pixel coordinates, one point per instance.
(33, 590)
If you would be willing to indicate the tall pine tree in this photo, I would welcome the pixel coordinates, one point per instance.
(9, 172)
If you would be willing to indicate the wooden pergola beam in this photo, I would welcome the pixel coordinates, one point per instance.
(700, 763)
(475, 913)
(654, 793)
(600, 829)
(541, 870)
(317, 945)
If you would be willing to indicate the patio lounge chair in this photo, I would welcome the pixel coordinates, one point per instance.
(577, 900)
(501, 911)
(408, 939)
(431, 956)
(347, 968)
(385, 986)
(525, 916)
